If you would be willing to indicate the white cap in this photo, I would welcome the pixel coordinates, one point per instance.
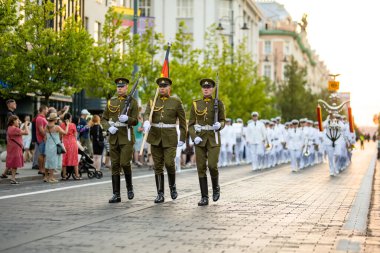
(85, 112)
(254, 114)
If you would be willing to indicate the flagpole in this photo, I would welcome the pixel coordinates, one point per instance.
(166, 61)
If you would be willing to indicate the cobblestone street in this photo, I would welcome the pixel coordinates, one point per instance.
(269, 211)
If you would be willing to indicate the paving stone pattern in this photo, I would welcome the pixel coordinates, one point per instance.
(270, 211)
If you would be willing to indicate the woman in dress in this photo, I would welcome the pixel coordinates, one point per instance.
(70, 158)
(96, 135)
(27, 139)
(15, 157)
(52, 138)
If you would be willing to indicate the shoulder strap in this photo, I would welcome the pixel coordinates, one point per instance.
(51, 135)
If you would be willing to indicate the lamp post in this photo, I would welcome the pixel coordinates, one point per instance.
(135, 13)
(232, 32)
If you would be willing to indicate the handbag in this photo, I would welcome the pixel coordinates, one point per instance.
(100, 142)
(60, 147)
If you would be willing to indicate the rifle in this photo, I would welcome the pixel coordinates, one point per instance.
(216, 105)
(130, 95)
(128, 103)
(150, 120)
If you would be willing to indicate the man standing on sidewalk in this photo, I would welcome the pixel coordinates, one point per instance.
(206, 136)
(163, 135)
(41, 123)
(120, 127)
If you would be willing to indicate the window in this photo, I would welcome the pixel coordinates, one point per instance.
(224, 8)
(86, 23)
(97, 32)
(268, 71)
(184, 8)
(287, 48)
(145, 7)
(268, 47)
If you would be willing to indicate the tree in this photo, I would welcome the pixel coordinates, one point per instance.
(8, 22)
(44, 60)
(185, 67)
(116, 53)
(242, 90)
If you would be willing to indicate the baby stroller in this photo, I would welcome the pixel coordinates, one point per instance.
(85, 166)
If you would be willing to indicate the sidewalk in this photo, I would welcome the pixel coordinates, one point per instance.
(28, 174)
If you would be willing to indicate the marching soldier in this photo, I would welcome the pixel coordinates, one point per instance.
(163, 135)
(256, 136)
(120, 127)
(204, 131)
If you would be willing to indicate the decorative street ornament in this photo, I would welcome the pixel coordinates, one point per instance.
(333, 129)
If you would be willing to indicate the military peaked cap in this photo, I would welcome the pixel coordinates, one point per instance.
(120, 82)
(163, 81)
(207, 82)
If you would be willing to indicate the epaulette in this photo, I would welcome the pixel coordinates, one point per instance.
(196, 100)
(176, 98)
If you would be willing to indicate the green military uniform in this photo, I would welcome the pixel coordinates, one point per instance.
(163, 136)
(121, 142)
(201, 122)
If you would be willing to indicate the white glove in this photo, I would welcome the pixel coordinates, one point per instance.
(197, 128)
(146, 126)
(216, 126)
(123, 118)
(111, 123)
(112, 130)
(197, 140)
(180, 143)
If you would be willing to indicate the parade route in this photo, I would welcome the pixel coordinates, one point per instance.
(269, 211)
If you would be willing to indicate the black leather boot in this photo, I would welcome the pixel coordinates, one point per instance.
(173, 189)
(128, 182)
(116, 189)
(204, 191)
(215, 188)
(160, 179)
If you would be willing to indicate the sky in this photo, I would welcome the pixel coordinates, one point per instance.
(345, 35)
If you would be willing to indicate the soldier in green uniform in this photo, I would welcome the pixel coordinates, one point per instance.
(120, 127)
(163, 135)
(206, 136)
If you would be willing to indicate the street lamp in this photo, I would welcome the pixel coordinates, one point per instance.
(232, 22)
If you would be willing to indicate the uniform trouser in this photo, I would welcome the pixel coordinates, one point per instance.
(257, 156)
(121, 157)
(163, 156)
(294, 158)
(239, 150)
(223, 156)
(331, 156)
(207, 156)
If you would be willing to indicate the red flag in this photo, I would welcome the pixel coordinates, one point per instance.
(165, 67)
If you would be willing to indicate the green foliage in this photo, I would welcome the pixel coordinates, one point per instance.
(42, 60)
(294, 99)
(117, 52)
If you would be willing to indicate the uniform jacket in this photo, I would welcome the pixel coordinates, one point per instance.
(256, 133)
(295, 140)
(166, 110)
(112, 112)
(202, 113)
(228, 136)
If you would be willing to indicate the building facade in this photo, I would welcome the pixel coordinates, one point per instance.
(200, 15)
(282, 38)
